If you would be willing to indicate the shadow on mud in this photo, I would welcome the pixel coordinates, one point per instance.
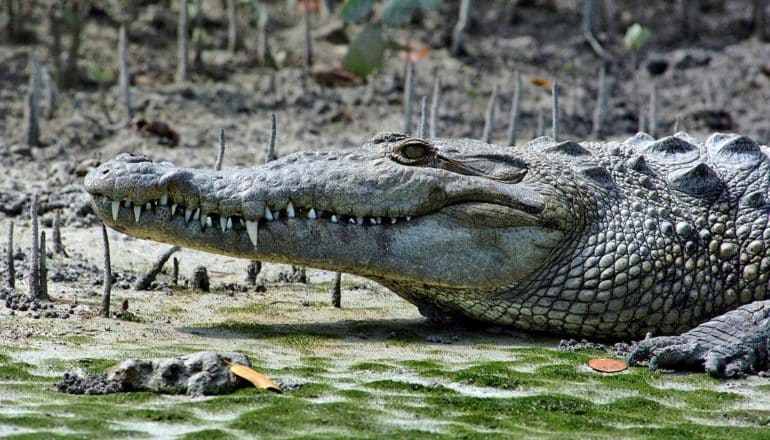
(385, 330)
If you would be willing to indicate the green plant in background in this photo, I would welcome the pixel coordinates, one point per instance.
(366, 53)
(636, 37)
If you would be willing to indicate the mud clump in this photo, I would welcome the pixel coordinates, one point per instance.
(89, 384)
(198, 374)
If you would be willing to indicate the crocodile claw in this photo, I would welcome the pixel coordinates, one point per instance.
(731, 345)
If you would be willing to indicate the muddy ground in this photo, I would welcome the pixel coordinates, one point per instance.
(374, 368)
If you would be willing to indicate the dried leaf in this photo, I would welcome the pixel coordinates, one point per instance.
(606, 365)
(541, 82)
(258, 379)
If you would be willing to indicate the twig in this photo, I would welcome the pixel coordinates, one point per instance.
(182, 43)
(10, 267)
(51, 95)
(232, 26)
(601, 104)
(408, 93)
(489, 116)
(124, 76)
(34, 267)
(58, 246)
(107, 275)
(335, 291)
(462, 22)
(147, 279)
(43, 280)
(175, 271)
(270, 154)
(32, 105)
(221, 152)
(435, 105)
(555, 110)
(515, 108)
(424, 118)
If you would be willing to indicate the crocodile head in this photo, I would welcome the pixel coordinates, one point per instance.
(439, 212)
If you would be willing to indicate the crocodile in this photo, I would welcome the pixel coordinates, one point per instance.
(605, 240)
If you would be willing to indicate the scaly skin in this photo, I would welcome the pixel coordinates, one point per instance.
(601, 240)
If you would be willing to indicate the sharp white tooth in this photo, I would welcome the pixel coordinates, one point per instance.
(352, 221)
(187, 214)
(379, 220)
(253, 231)
(311, 214)
(137, 213)
(372, 220)
(164, 199)
(148, 206)
(173, 208)
(203, 218)
(115, 210)
(392, 220)
(208, 221)
(127, 203)
(408, 217)
(197, 214)
(268, 214)
(242, 223)
(359, 220)
(276, 215)
(223, 223)
(290, 210)
(229, 223)
(334, 218)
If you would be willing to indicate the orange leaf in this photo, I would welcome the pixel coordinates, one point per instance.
(541, 82)
(258, 379)
(606, 365)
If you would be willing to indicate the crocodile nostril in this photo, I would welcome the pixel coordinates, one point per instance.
(105, 172)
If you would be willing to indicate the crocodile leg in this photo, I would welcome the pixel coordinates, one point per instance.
(730, 345)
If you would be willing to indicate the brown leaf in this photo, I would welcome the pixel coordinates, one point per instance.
(541, 82)
(336, 78)
(258, 379)
(606, 365)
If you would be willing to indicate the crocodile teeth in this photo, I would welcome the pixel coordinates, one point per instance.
(334, 219)
(408, 217)
(276, 215)
(173, 208)
(127, 203)
(359, 220)
(223, 223)
(187, 214)
(164, 199)
(229, 223)
(148, 206)
(290, 210)
(372, 220)
(203, 219)
(115, 210)
(311, 214)
(268, 214)
(253, 231)
(137, 213)
(352, 221)
(393, 220)
(379, 220)
(208, 221)
(197, 214)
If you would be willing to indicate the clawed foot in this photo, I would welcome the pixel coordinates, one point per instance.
(731, 345)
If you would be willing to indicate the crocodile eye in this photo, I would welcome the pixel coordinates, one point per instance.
(413, 150)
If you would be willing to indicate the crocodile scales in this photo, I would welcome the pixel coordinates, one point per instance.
(603, 240)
